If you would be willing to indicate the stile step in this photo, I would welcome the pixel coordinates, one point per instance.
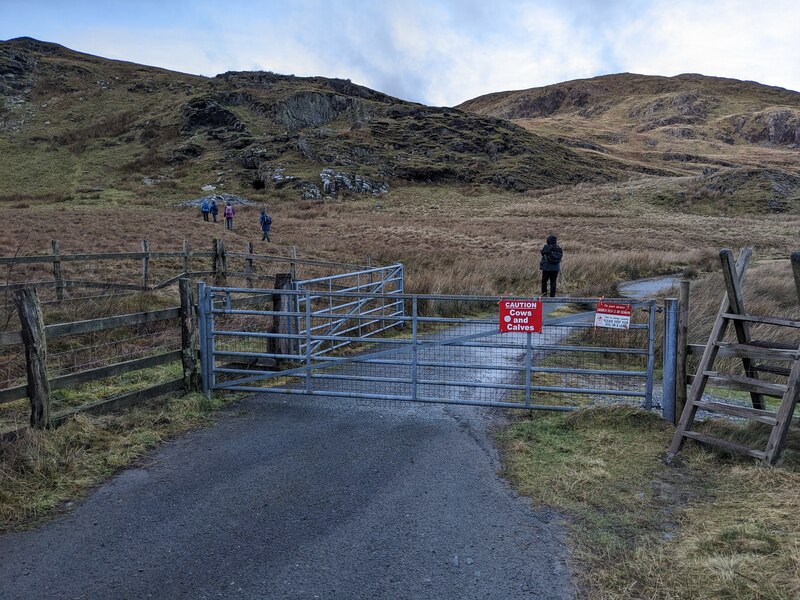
(745, 384)
(727, 444)
(761, 416)
(756, 351)
(763, 320)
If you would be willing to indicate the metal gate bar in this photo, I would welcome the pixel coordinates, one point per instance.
(521, 362)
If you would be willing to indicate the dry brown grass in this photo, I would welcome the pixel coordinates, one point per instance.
(451, 239)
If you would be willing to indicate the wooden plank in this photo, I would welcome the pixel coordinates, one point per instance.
(783, 371)
(58, 279)
(745, 384)
(48, 258)
(10, 338)
(778, 436)
(103, 284)
(695, 349)
(137, 364)
(57, 383)
(745, 412)
(734, 288)
(13, 394)
(764, 320)
(145, 263)
(727, 444)
(185, 256)
(120, 402)
(248, 265)
(757, 352)
(682, 342)
(77, 327)
(709, 355)
(796, 272)
(33, 336)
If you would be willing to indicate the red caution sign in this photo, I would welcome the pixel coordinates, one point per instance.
(520, 316)
(613, 315)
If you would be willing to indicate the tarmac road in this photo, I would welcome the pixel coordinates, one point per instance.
(293, 497)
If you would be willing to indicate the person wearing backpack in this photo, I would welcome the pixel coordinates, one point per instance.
(550, 264)
(205, 207)
(229, 213)
(214, 209)
(266, 222)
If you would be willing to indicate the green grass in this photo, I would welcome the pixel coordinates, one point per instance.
(47, 470)
(714, 526)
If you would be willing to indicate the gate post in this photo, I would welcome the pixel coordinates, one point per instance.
(670, 358)
(281, 322)
(414, 348)
(202, 325)
(651, 355)
(188, 337)
(33, 337)
(308, 341)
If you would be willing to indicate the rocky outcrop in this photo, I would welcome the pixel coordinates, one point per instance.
(778, 126)
(313, 109)
(334, 181)
(207, 112)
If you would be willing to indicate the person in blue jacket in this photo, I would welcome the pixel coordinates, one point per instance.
(205, 208)
(266, 223)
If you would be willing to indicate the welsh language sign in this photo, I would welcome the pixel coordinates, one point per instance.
(520, 316)
(613, 315)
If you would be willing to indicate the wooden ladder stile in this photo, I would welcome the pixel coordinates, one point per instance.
(750, 351)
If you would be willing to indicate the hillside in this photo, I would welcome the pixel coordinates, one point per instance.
(79, 126)
(740, 139)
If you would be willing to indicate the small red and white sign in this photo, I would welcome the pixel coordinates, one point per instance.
(613, 315)
(520, 316)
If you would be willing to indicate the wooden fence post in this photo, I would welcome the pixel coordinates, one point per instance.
(219, 265)
(282, 324)
(796, 270)
(32, 325)
(191, 376)
(683, 348)
(185, 256)
(293, 265)
(248, 265)
(59, 281)
(145, 263)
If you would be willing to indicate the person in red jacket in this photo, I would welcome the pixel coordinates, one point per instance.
(229, 213)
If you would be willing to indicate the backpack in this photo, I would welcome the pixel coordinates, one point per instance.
(555, 255)
(268, 220)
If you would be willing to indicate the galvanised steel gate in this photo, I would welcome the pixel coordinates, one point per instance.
(420, 348)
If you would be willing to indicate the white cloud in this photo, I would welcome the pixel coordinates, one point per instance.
(447, 51)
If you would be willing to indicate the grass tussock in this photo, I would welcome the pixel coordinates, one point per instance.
(716, 526)
(43, 470)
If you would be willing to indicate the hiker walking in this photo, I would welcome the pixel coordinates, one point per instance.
(550, 264)
(229, 213)
(266, 222)
(205, 207)
(214, 210)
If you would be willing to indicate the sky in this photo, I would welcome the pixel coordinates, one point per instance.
(439, 52)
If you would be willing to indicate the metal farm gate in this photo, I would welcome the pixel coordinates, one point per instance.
(360, 336)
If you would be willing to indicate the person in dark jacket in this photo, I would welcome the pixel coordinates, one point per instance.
(214, 210)
(266, 223)
(550, 264)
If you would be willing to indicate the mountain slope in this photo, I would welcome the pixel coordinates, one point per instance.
(739, 139)
(660, 120)
(73, 124)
